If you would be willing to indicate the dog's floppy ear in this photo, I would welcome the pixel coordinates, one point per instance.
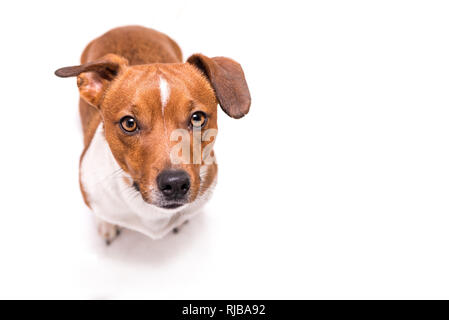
(228, 80)
(94, 77)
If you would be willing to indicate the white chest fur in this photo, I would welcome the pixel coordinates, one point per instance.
(114, 201)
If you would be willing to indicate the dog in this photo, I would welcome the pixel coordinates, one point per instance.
(137, 98)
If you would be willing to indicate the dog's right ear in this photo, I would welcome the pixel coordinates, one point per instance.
(94, 77)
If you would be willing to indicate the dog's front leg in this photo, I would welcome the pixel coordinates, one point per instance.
(176, 229)
(107, 230)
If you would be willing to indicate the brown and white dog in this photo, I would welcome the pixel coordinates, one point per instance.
(135, 91)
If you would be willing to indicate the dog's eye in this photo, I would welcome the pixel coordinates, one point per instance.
(198, 119)
(128, 124)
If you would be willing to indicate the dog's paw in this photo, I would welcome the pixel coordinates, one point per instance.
(176, 230)
(107, 231)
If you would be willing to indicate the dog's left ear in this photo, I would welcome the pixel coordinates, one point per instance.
(228, 80)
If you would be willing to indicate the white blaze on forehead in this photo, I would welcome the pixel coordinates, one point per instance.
(165, 92)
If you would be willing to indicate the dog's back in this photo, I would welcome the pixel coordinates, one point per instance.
(137, 44)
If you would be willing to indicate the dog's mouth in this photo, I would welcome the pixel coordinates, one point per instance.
(172, 205)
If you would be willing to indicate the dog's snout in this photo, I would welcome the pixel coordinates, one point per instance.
(173, 184)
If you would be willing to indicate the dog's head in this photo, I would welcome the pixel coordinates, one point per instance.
(160, 120)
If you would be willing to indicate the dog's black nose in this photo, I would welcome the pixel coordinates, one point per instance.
(173, 184)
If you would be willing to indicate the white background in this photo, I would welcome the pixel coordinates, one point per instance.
(334, 186)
